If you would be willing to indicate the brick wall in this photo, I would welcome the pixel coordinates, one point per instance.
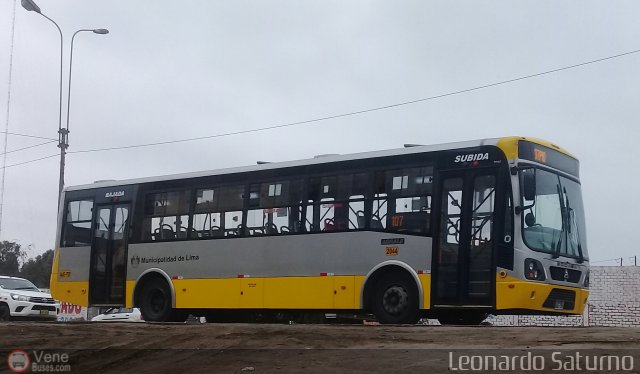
(614, 300)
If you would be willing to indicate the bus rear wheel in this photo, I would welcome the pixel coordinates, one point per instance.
(396, 299)
(156, 301)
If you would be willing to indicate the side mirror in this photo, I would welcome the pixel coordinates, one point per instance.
(529, 219)
(529, 185)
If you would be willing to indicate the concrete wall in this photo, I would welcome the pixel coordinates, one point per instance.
(614, 300)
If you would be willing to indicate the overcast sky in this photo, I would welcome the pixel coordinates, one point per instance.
(180, 69)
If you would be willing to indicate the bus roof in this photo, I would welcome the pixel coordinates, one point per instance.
(508, 145)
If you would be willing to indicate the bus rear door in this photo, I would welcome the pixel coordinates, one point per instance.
(109, 254)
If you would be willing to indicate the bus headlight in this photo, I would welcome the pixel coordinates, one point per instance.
(586, 280)
(533, 270)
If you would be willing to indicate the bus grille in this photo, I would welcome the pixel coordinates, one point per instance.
(560, 299)
(564, 274)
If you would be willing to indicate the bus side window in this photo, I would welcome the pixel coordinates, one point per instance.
(274, 207)
(230, 204)
(402, 200)
(233, 223)
(206, 218)
(320, 208)
(166, 215)
(353, 191)
(77, 228)
(337, 203)
(379, 210)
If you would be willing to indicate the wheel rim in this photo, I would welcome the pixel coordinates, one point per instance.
(395, 300)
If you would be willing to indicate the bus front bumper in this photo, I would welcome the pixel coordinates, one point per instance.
(517, 294)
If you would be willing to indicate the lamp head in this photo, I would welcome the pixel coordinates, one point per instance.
(101, 31)
(30, 6)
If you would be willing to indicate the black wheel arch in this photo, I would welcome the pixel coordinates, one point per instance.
(382, 270)
(147, 276)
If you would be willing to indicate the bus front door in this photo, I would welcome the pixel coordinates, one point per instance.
(108, 255)
(463, 271)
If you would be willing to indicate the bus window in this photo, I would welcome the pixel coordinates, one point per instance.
(356, 212)
(77, 229)
(206, 221)
(274, 208)
(166, 216)
(354, 190)
(320, 211)
(218, 212)
(231, 202)
(206, 225)
(233, 223)
(402, 200)
(379, 210)
(336, 203)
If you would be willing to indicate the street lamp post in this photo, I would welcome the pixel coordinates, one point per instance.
(63, 133)
(95, 31)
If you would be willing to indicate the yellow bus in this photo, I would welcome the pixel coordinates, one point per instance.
(452, 231)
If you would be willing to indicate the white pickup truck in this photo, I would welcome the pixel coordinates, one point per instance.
(21, 299)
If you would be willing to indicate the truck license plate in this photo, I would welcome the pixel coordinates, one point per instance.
(44, 312)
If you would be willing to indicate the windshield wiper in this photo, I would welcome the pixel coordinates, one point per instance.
(580, 255)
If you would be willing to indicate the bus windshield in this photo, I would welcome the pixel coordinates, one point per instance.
(553, 218)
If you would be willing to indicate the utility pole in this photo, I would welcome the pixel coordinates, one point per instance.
(6, 126)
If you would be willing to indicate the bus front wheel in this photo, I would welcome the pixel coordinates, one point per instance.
(156, 302)
(396, 299)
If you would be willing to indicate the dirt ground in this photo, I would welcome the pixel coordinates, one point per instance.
(262, 348)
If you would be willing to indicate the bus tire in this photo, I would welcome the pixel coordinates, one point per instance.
(5, 313)
(156, 301)
(395, 299)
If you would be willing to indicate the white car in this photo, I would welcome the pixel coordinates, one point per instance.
(21, 299)
(119, 315)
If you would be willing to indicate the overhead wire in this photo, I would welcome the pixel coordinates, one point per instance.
(30, 161)
(358, 112)
(28, 147)
(326, 118)
(27, 135)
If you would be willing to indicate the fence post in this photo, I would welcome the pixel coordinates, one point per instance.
(585, 315)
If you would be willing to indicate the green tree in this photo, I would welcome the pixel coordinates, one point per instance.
(38, 270)
(11, 255)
